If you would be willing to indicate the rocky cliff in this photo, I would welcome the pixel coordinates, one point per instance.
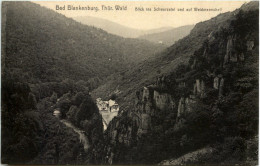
(195, 105)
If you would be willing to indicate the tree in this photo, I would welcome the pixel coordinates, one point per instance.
(113, 96)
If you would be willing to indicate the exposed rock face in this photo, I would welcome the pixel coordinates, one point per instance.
(219, 84)
(232, 55)
(146, 121)
(145, 94)
(139, 120)
(147, 101)
(136, 119)
(188, 104)
(161, 82)
(185, 106)
(221, 87)
(181, 107)
(142, 121)
(119, 132)
(151, 100)
(146, 107)
(199, 88)
(143, 111)
(230, 52)
(163, 101)
(250, 45)
(216, 83)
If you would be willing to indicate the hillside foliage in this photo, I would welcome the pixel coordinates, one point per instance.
(48, 47)
(225, 121)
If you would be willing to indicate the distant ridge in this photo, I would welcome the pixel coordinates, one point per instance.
(169, 37)
(115, 28)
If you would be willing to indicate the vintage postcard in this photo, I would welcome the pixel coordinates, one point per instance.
(129, 82)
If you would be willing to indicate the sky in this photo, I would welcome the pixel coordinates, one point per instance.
(147, 19)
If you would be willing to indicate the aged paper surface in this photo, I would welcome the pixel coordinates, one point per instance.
(129, 82)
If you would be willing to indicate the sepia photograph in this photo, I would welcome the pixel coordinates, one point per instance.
(129, 82)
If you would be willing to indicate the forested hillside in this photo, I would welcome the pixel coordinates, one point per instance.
(31, 134)
(127, 82)
(205, 111)
(46, 46)
(49, 63)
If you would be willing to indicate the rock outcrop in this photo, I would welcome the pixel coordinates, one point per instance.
(163, 101)
(160, 82)
(146, 94)
(233, 55)
(185, 106)
(230, 53)
(250, 45)
(139, 121)
(181, 107)
(221, 87)
(199, 88)
(218, 83)
(120, 131)
(151, 101)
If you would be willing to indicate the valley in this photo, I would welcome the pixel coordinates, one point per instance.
(117, 29)
(76, 94)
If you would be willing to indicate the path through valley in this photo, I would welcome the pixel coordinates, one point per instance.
(82, 137)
